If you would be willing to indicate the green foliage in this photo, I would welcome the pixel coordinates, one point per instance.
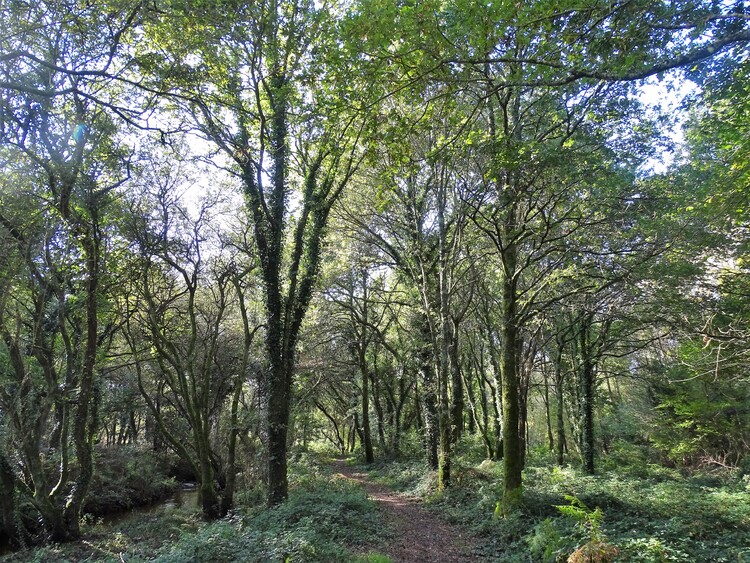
(653, 513)
(548, 543)
(126, 477)
(588, 521)
(321, 517)
(651, 550)
(410, 477)
(372, 558)
(703, 419)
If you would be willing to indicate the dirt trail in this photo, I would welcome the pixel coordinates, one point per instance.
(419, 535)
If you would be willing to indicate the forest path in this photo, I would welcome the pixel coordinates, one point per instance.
(419, 535)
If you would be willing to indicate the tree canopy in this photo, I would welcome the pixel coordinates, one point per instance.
(438, 218)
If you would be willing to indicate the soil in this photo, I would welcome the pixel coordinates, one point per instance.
(420, 536)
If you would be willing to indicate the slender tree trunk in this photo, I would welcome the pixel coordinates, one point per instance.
(227, 498)
(512, 454)
(358, 430)
(429, 402)
(366, 433)
(560, 425)
(471, 424)
(560, 403)
(547, 413)
(362, 357)
(378, 404)
(444, 343)
(430, 417)
(496, 387)
(9, 516)
(457, 400)
(587, 396)
(397, 415)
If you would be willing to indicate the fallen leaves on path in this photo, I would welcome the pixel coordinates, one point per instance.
(419, 535)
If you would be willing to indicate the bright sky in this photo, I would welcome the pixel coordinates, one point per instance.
(668, 95)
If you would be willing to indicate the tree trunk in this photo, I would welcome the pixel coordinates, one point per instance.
(209, 497)
(277, 424)
(512, 455)
(227, 498)
(430, 417)
(496, 387)
(586, 396)
(85, 422)
(429, 398)
(362, 357)
(548, 413)
(9, 517)
(378, 404)
(443, 341)
(560, 404)
(366, 433)
(457, 400)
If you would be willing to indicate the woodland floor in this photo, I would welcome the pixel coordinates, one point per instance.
(419, 535)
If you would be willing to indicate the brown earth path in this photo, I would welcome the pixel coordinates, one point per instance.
(420, 537)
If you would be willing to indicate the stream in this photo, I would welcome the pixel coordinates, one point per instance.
(184, 498)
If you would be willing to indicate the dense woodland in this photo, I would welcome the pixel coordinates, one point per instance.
(234, 232)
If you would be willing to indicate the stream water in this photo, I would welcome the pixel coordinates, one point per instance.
(185, 498)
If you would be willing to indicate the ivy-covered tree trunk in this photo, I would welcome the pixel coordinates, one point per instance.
(443, 342)
(278, 397)
(512, 455)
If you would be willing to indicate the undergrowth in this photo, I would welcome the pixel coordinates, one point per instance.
(645, 513)
(325, 519)
(126, 477)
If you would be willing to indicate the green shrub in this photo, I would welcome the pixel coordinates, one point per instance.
(126, 477)
(319, 520)
(548, 543)
(650, 507)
